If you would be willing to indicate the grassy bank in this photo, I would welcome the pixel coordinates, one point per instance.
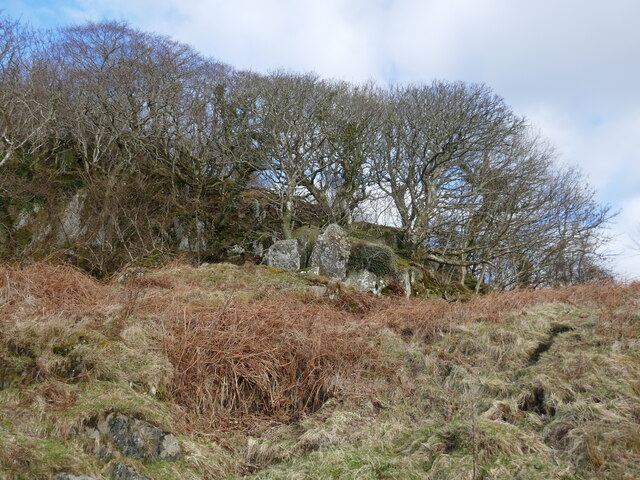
(270, 374)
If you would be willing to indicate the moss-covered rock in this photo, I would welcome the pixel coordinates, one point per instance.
(377, 259)
(371, 232)
(306, 236)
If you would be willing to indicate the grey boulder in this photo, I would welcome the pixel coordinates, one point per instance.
(139, 439)
(121, 471)
(331, 252)
(365, 281)
(283, 254)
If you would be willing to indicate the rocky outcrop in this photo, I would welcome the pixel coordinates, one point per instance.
(283, 254)
(418, 282)
(138, 439)
(236, 254)
(71, 224)
(26, 216)
(121, 471)
(331, 252)
(69, 476)
(191, 236)
(404, 279)
(366, 281)
(258, 248)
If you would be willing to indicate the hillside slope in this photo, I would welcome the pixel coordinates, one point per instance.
(227, 372)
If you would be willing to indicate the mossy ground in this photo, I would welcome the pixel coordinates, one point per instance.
(541, 390)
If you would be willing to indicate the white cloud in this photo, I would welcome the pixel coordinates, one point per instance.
(626, 242)
(577, 53)
(606, 150)
(608, 153)
(332, 37)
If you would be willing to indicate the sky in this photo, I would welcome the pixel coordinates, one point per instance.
(571, 67)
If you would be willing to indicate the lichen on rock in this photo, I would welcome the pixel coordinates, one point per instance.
(331, 252)
(283, 254)
(121, 471)
(139, 439)
(366, 281)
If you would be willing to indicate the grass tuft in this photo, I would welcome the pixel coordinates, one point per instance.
(258, 375)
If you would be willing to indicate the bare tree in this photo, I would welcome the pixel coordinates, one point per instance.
(429, 133)
(25, 103)
(290, 112)
(151, 130)
(340, 180)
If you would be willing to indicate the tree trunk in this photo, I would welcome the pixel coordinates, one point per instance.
(287, 219)
(480, 280)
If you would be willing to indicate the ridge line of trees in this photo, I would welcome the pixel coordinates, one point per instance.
(153, 131)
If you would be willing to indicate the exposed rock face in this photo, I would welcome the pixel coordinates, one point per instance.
(366, 281)
(26, 216)
(139, 439)
(404, 278)
(258, 248)
(236, 253)
(331, 252)
(68, 476)
(71, 226)
(416, 282)
(188, 237)
(283, 254)
(120, 471)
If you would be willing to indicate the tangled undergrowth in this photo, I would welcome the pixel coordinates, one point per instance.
(279, 375)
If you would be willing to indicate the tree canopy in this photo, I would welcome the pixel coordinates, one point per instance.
(152, 131)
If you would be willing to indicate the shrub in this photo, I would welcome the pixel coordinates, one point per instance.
(277, 359)
(378, 259)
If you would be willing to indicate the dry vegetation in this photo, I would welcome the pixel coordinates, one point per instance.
(259, 375)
